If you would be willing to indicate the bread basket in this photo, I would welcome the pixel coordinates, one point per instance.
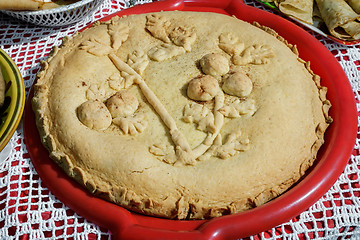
(56, 17)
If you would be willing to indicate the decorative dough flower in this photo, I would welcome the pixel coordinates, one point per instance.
(237, 84)
(94, 115)
(203, 88)
(214, 64)
(122, 104)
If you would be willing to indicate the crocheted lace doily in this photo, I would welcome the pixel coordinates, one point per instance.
(29, 211)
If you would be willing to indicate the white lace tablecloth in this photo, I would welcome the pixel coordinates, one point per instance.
(29, 211)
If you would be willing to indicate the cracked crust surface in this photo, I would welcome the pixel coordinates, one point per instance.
(282, 136)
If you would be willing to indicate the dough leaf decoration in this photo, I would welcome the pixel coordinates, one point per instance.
(131, 124)
(201, 115)
(138, 61)
(119, 33)
(95, 47)
(255, 54)
(176, 39)
(230, 112)
(158, 26)
(158, 149)
(127, 79)
(230, 44)
(164, 152)
(165, 51)
(95, 92)
(183, 36)
(238, 107)
(234, 143)
(116, 81)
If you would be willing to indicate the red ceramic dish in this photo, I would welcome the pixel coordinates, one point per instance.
(333, 157)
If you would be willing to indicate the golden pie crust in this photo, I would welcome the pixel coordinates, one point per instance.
(182, 115)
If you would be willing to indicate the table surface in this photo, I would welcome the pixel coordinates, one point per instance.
(28, 210)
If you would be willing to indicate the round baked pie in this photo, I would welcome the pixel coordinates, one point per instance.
(182, 115)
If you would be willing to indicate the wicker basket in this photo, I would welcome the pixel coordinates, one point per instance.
(60, 16)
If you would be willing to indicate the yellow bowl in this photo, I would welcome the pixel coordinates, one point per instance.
(12, 110)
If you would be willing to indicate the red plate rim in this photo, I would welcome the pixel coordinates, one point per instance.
(333, 156)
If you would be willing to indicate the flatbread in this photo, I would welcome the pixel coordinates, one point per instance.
(341, 20)
(30, 5)
(355, 4)
(300, 9)
(182, 115)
